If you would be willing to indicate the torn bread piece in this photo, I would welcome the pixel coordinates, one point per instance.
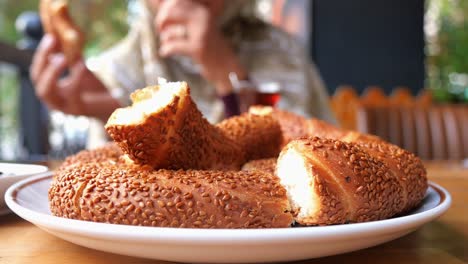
(163, 128)
(333, 182)
(56, 19)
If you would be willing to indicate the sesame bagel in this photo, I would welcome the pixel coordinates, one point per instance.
(169, 167)
(164, 129)
(136, 195)
(333, 182)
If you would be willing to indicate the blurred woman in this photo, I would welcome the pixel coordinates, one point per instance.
(197, 41)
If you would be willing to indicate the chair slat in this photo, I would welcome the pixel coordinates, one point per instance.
(438, 134)
(395, 129)
(461, 114)
(423, 132)
(453, 132)
(409, 129)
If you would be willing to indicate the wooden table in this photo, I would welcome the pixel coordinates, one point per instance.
(442, 241)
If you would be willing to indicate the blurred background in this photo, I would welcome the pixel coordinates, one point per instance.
(417, 48)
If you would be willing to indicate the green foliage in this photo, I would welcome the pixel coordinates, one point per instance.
(104, 22)
(451, 49)
(9, 11)
(8, 112)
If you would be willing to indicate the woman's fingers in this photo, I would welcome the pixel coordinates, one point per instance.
(46, 85)
(176, 47)
(170, 12)
(70, 87)
(174, 32)
(41, 56)
(183, 28)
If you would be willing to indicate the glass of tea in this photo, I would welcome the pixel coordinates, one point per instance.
(268, 94)
(256, 92)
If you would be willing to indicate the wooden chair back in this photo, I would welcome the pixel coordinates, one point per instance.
(401, 96)
(437, 132)
(343, 104)
(373, 95)
(424, 98)
(412, 122)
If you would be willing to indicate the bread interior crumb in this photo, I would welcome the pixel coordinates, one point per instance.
(294, 176)
(147, 101)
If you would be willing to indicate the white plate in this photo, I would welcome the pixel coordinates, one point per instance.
(14, 172)
(29, 200)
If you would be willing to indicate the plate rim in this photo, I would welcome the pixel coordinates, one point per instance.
(231, 236)
(40, 169)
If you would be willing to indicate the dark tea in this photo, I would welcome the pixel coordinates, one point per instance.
(268, 94)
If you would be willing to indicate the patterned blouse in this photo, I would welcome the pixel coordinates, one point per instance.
(268, 54)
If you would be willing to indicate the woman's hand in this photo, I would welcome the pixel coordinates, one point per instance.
(190, 28)
(78, 93)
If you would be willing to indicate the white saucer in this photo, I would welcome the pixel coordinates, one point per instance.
(28, 199)
(12, 173)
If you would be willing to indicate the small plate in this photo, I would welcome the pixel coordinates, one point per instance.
(28, 199)
(14, 172)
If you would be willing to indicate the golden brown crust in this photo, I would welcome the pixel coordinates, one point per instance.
(295, 126)
(408, 168)
(176, 137)
(319, 128)
(264, 165)
(258, 136)
(45, 15)
(70, 37)
(292, 126)
(126, 194)
(351, 184)
(57, 21)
